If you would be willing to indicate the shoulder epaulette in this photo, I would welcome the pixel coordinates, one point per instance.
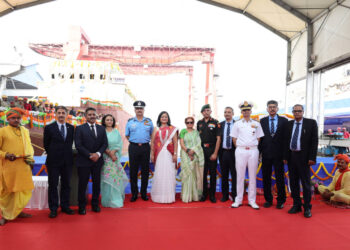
(130, 119)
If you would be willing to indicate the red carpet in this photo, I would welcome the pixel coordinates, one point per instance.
(146, 225)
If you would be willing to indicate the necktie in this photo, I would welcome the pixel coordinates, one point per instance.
(295, 136)
(93, 130)
(272, 127)
(228, 138)
(63, 132)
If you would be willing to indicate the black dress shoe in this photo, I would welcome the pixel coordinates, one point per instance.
(224, 199)
(53, 214)
(144, 197)
(67, 211)
(307, 213)
(280, 205)
(96, 209)
(212, 199)
(203, 198)
(82, 211)
(267, 204)
(133, 198)
(294, 210)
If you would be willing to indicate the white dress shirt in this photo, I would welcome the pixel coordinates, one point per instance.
(65, 128)
(224, 135)
(299, 135)
(94, 124)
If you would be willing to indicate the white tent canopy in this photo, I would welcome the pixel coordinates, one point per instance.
(316, 31)
(286, 18)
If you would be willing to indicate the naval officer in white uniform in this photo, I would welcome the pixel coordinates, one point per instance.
(246, 134)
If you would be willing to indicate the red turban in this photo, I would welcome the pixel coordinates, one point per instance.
(342, 157)
(13, 112)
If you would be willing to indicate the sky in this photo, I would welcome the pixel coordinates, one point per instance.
(250, 60)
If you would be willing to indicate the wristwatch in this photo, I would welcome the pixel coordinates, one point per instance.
(188, 150)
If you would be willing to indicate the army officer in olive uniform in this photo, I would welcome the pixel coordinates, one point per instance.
(210, 132)
(138, 131)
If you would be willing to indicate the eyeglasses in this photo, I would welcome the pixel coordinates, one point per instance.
(297, 111)
(189, 122)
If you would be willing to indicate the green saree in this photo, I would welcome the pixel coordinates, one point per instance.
(191, 171)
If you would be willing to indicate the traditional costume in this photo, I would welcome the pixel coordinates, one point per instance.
(164, 179)
(16, 182)
(4, 102)
(191, 170)
(340, 185)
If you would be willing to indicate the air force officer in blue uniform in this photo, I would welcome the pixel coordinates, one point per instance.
(139, 131)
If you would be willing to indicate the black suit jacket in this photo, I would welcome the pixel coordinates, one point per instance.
(272, 147)
(59, 151)
(87, 143)
(222, 127)
(308, 140)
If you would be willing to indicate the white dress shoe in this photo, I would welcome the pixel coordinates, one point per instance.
(236, 205)
(254, 205)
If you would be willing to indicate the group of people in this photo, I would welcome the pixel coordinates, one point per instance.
(29, 105)
(343, 132)
(39, 106)
(237, 145)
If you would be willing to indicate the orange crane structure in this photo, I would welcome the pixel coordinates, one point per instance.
(138, 60)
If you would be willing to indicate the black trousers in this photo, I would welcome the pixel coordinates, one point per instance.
(84, 176)
(279, 174)
(54, 173)
(227, 165)
(211, 167)
(139, 156)
(299, 171)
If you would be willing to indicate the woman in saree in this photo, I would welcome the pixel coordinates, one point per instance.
(192, 162)
(164, 156)
(113, 176)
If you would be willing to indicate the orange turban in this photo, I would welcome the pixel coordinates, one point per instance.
(342, 157)
(13, 112)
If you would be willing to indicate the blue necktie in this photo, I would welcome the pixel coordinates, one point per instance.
(295, 137)
(228, 138)
(63, 132)
(272, 128)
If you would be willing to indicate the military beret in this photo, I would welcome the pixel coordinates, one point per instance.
(206, 106)
(139, 104)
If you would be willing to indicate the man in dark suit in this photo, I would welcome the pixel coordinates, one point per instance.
(58, 140)
(271, 148)
(300, 152)
(227, 156)
(91, 142)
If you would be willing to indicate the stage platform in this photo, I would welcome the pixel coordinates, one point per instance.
(198, 225)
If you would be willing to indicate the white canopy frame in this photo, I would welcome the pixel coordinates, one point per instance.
(317, 36)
